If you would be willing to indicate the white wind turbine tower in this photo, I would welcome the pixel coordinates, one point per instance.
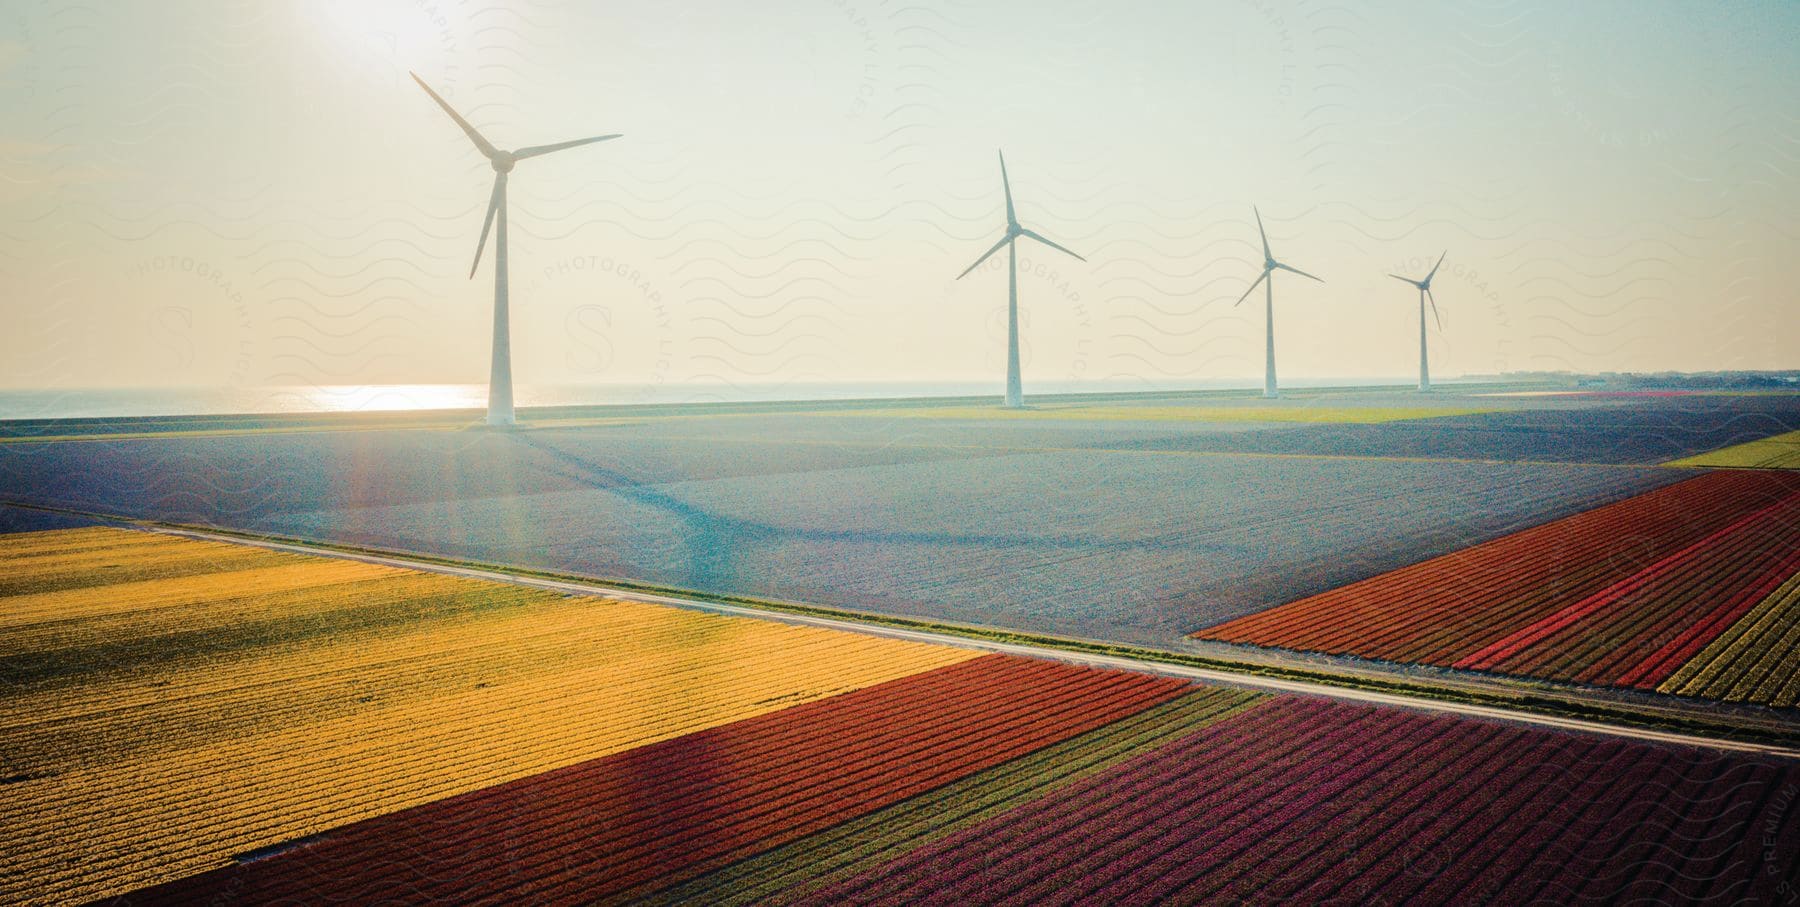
(1270, 266)
(500, 396)
(1014, 395)
(1425, 294)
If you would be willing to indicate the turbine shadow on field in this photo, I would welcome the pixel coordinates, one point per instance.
(716, 541)
(712, 540)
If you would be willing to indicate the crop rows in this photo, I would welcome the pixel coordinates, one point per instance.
(1312, 802)
(149, 740)
(1756, 660)
(1622, 595)
(854, 846)
(81, 558)
(657, 814)
(433, 737)
(1779, 452)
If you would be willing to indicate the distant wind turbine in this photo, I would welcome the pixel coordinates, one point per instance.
(500, 396)
(1425, 294)
(1014, 395)
(1270, 266)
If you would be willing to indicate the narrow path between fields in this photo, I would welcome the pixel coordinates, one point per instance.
(1208, 675)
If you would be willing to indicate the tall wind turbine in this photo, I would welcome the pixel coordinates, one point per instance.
(500, 396)
(1270, 266)
(1425, 294)
(1014, 396)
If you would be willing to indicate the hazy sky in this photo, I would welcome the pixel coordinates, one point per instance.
(253, 192)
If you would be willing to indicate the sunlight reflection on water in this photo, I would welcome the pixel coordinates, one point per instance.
(114, 402)
(361, 397)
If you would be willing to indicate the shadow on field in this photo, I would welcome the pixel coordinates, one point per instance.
(715, 541)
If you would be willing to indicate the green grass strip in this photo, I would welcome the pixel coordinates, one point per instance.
(844, 850)
(1363, 415)
(1778, 452)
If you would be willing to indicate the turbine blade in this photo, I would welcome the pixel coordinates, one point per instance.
(986, 255)
(486, 149)
(1407, 280)
(1297, 271)
(536, 150)
(1252, 288)
(1261, 233)
(1039, 237)
(1434, 310)
(1434, 268)
(494, 202)
(1006, 184)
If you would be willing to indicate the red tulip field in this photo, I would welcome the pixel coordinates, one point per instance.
(1630, 594)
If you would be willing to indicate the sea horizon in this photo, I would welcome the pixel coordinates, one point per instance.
(104, 402)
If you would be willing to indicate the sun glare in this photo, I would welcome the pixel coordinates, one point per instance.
(406, 31)
(394, 397)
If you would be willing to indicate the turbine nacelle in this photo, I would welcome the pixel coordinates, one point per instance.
(502, 162)
(1425, 283)
(1014, 229)
(1425, 295)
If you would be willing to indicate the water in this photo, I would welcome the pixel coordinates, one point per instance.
(113, 402)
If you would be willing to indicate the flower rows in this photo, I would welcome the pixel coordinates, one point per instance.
(1312, 802)
(860, 844)
(1623, 595)
(662, 812)
(147, 737)
(1001, 780)
(1756, 660)
(359, 734)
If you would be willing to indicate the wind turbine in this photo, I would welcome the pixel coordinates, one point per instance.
(500, 397)
(1270, 266)
(1425, 294)
(1014, 396)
